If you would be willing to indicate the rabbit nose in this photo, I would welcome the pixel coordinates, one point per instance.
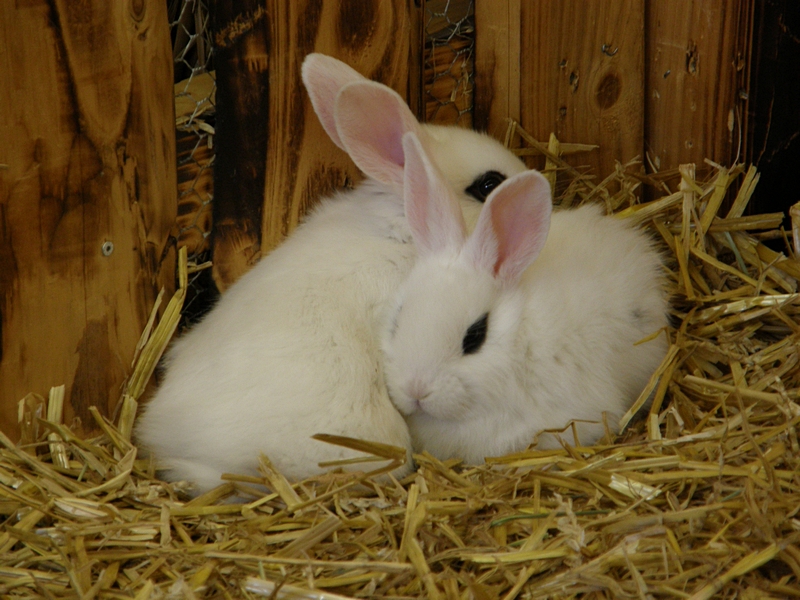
(418, 392)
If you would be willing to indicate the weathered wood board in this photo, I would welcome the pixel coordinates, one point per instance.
(662, 80)
(271, 146)
(87, 195)
(569, 67)
(697, 80)
(497, 65)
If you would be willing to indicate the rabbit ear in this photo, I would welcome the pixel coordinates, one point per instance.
(432, 209)
(323, 77)
(512, 227)
(371, 119)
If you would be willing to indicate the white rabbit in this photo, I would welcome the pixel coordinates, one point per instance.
(511, 330)
(293, 348)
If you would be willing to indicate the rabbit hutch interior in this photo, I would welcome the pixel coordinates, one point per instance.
(154, 153)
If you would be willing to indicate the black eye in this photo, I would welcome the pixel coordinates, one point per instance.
(484, 184)
(476, 335)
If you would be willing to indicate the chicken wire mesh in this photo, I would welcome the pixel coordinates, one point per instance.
(449, 61)
(195, 88)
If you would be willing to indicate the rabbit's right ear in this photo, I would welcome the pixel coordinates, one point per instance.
(512, 227)
(323, 77)
(431, 207)
(371, 120)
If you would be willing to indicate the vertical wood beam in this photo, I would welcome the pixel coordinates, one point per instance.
(698, 59)
(290, 161)
(87, 195)
(497, 65)
(582, 76)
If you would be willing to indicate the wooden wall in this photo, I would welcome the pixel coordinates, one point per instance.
(663, 80)
(269, 142)
(86, 116)
(667, 82)
(87, 194)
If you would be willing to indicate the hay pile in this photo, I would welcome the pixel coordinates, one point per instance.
(697, 499)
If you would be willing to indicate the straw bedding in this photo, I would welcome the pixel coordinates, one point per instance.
(697, 498)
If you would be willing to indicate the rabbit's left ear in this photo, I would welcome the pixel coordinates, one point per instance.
(432, 209)
(371, 119)
(323, 77)
(512, 228)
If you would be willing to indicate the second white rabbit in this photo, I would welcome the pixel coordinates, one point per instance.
(527, 324)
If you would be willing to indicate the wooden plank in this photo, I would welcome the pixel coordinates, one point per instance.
(302, 163)
(416, 51)
(241, 36)
(87, 194)
(497, 63)
(275, 141)
(582, 76)
(698, 51)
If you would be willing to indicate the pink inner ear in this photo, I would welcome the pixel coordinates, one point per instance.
(432, 209)
(371, 119)
(323, 77)
(513, 226)
(522, 220)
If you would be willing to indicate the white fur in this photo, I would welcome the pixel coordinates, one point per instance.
(560, 342)
(292, 349)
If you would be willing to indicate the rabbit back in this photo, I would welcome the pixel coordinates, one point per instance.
(595, 291)
(527, 324)
(297, 328)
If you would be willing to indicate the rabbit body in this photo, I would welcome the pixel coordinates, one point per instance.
(292, 349)
(289, 351)
(560, 337)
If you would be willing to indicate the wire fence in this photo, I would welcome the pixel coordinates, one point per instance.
(195, 93)
(449, 61)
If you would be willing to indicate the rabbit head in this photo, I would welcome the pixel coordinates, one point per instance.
(368, 121)
(451, 342)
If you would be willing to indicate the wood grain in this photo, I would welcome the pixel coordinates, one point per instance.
(278, 128)
(497, 63)
(582, 76)
(302, 163)
(416, 52)
(241, 35)
(87, 122)
(698, 51)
